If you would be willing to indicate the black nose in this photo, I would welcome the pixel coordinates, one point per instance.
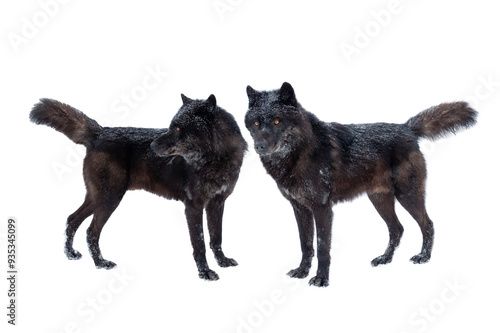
(261, 147)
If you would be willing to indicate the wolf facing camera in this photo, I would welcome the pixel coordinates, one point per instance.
(317, 164)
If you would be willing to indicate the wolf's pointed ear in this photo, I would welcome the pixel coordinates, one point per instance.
(185, 100)
(212, 102)
(252, 96)
(287, 95)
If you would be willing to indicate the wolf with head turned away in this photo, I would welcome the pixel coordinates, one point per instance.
(196, 160)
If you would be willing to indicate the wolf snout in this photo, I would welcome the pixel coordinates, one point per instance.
(158, 148)
(161, 148)
(261, 147)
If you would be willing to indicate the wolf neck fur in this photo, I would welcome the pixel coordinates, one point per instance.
(281, 167)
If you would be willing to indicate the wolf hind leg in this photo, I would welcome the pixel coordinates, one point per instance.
(73, 223)
(106, 180)
(410, 191)
(415, 205)
(106, 202)
(384, 204)
(101, 216)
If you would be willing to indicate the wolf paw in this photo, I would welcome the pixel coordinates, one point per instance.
(208, 275)
(420, 258)
(298, 273)
(73, 254)
(226, 262)
(318, 281)
(381, 260)
(106, 264)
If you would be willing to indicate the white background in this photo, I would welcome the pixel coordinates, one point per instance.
(92, 54)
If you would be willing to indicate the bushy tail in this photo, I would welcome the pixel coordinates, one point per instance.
(67, 120)
(439, 120)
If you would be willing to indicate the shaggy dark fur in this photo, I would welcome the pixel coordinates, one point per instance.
(196, 160)
(318, 164)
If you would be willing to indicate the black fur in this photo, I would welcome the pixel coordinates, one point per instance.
(317, 164)
(196, 160)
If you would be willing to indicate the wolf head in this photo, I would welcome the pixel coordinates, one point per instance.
(199, 130)
(277, 122)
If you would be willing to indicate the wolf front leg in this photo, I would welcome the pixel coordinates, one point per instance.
(194, 217)
(305, 222)
(215, 210)
(323, 216)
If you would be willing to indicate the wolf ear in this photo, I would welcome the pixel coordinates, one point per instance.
(212, 102)
(186, 100)
(287, 95)
(252, 96)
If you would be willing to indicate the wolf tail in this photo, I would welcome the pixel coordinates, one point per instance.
(67, 120)
(439, 120)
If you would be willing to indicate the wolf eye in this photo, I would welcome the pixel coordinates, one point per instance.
(257, 123)
(276, 122)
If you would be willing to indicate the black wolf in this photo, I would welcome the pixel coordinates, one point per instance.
(317, 164)
(196, 160)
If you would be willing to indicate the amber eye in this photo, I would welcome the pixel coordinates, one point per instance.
(257, 123)
(177, 129)
(276, 122)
